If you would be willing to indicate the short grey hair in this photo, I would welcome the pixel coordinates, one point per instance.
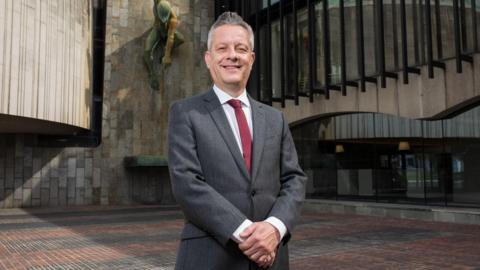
(230, 18)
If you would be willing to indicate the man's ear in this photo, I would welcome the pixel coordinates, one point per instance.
(208, 58)
(252, 57)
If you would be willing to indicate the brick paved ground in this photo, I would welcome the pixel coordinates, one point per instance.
(146, 238)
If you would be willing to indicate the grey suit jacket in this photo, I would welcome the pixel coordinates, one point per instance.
(212, 186)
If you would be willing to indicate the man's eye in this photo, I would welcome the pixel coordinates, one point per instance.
(242, 49)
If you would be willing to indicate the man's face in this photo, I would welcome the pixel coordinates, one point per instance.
(230, 58)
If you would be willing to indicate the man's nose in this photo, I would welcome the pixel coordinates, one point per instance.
(232, 54)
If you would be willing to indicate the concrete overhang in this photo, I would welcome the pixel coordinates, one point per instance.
(25, 125)
(446, 94)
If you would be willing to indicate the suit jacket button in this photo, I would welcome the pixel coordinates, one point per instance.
(253, 192)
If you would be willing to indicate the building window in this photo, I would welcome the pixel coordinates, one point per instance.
(384, 158)
(429, 29)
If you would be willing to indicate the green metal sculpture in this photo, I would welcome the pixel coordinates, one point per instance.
(161, 39)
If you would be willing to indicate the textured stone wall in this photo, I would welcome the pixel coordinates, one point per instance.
(135, 116)
(33, 176)
(134, 120)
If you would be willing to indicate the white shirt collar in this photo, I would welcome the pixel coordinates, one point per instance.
(224, 97)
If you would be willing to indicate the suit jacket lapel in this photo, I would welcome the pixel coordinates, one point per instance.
(218, 115)
(259, 129)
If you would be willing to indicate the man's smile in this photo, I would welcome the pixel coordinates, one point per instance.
(231, 67)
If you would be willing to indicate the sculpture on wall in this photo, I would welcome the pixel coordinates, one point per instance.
(161, 39)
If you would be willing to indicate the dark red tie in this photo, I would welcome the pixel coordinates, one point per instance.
(245, 136)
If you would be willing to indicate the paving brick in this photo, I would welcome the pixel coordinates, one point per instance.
(147, 238)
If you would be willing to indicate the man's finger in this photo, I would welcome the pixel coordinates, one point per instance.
(263, 261)
(250, 251)
(249, 241)
(247, 244)
(266, 261)
(248, 231)
(273, 255)
(257, 257)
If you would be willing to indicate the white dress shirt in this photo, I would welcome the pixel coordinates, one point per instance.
(232, 120)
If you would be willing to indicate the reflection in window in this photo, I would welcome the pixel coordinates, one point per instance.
(320, 57)
(369, 37)
(351, 39)
(391, 159)
(265, 2)
(303, 48)
(412, 33)
(290, 55)
(477, 12)
(335, 49)
(276, 60)
(442, 37)
(264, 57)
(466, 23)
(391, 23)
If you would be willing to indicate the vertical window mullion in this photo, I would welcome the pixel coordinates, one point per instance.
(282, 53)
(395, 34)
(403, 18)
(295, 49)
(288, 64)
(438, 26)
(421, 24)
(474, 25)
(269, 55)
(360, 45)
(258, 50)
(312, 49)
(326, 49)
(463, 26)
(428, 18)
(343, 68)
(456, 30)
(415, 32)
(380, 43)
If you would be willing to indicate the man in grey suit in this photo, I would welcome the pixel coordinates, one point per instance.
(233, 165)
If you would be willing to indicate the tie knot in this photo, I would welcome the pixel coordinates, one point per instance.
(235, 103)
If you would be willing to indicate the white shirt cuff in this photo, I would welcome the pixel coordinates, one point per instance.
(277, 223)
(236, 234)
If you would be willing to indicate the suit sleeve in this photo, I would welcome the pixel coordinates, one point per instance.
(289, 201)
(202, 205)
